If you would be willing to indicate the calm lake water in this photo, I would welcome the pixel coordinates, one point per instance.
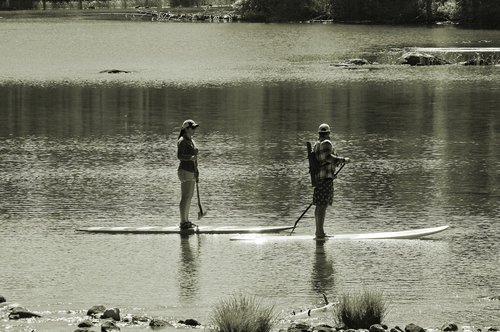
(79, 148)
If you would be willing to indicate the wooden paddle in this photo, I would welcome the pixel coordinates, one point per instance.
(201, 212)
(307, 209)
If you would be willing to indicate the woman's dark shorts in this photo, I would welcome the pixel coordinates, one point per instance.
(323, 192)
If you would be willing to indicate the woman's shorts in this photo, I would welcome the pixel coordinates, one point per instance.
(323, 192)
(185, 176)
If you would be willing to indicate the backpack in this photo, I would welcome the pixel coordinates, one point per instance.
(314, 164)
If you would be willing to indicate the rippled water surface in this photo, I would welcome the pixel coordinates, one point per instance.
(79, 148)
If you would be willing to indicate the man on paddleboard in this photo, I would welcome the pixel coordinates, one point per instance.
(187, 153)
(323, 175)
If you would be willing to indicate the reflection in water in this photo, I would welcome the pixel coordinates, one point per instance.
(322, 277)
(187, 273)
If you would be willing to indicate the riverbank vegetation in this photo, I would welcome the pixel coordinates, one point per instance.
(361, 310)
(243, 313)
(474, 13)
(480, 13)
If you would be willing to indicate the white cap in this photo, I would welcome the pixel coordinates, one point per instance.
(189, 124)
(324, 128)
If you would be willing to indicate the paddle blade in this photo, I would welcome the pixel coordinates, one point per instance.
(201, 213)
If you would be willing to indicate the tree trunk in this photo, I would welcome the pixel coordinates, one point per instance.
(428, 10)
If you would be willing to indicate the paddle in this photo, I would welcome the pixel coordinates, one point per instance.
(201, 212)
(307, 209)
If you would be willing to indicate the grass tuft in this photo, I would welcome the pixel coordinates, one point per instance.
(242, 313)
(361, 310)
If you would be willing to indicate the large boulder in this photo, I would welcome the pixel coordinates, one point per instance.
(2, 299)
(189, 322)
(159, 323)
(21, 312)
(85, 324)
(478, 62)
(422, 59)
(449, 327)
(109, 326)
(413, 328)
(96, 310)
(113, 313)
(114, 71)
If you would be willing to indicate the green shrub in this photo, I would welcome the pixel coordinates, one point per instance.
(242, 313)
(361, 310)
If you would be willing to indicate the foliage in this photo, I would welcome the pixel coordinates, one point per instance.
(446, 10)
(386, 11)
(277, 10)
(361, 310)
(481, 13)
(242, 313)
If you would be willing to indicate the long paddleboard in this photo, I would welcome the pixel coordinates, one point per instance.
(176, 230)
(408, 234)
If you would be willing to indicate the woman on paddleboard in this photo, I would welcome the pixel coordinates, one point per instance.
(327, 161)
(187, 153)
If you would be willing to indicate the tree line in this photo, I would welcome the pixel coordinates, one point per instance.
(477, 13)
(480, 13)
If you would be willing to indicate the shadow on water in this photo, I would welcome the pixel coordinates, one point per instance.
(323, 274)
(188, 268)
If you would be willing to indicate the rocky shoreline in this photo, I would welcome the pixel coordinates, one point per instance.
(101, 318)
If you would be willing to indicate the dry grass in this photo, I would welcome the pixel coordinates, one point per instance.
(242, 313)
(361, 310)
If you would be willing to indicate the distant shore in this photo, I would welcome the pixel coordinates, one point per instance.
(113, 13)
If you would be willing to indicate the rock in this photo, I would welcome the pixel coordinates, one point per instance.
(298, 327)
(189, 322)
(85, 323)
(492, 329)
(396, 329)
(113, 71)
(83, 330)
(109, 326)
(159, 323)
(377, 328)
(449, 327)
(2, 299)
(20, 312)
(422, 59)
(352, 62)
(477, 62)
(113, 313)
(358, 62)
(324, 328)
(413, 328)
(96, 310)
(133, 319)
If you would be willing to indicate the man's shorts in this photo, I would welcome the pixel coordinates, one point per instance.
(323, 192)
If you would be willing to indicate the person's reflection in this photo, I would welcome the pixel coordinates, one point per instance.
(187, 274)
(322, 271)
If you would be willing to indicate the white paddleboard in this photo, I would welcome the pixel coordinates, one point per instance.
(408, 234)
(457, 49)
(176, 230)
